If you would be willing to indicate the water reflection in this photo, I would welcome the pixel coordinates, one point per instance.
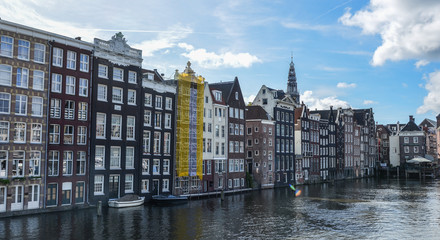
(366, 209)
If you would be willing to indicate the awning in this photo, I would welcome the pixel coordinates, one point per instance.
(418, 160)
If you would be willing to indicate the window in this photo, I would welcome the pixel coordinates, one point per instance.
(131, 128)
(54, 134)
(39, 52)
(209, 145)
(6, 46)
(19, 132)
(68, 134)
(132, 77)
(100, 125)
(102, 92)
(84, 63)
(36, 133)
(82, 111)
(71, 60)
(82, 135)
(144, 187)
(128, 183)
(102, 71)
(57, 55)
(5, 75)
(415, 140)
(147, 118)
(69, 110)
(20, 104)
(131, 97)
(406, 139)
(118, 74)
(22, 77)
(53, 163)
(4, 131)
(156, 165)
(156, 143)
(115, 157)
(18, 164)
(166, 166)
(38, 80)
(70, 85)
(99, 157)
(218, 95)
(169, 103)
(165, 185)
(167, 143)
(3, 164)
(145, 166)
(146, 142)
(117, 95)
(34, 163)
(56, 83)
(159, 102)
(236, 95)
(37, 106)
(406, 149)
(158, 120)
(55, 108)
(148, 100)
(68, 163)
(5, 100)
(167, 120)
(83, 87)
(98, 187)
(116, 126)
(23, 49)
(129, 157)
(416, 149)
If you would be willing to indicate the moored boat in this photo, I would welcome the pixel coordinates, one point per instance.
(165, 200)
(127, 201)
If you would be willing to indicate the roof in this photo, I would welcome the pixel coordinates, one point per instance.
(429, 122)
(411, 126)
(256, 112)
(279, 93)
(381, 126)
(224, 87)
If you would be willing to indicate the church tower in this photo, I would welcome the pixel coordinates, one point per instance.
(292, 88)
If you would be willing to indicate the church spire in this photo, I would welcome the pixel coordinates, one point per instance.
(292, 87)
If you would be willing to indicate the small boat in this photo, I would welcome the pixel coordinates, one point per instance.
(126, 201)
(166, 200)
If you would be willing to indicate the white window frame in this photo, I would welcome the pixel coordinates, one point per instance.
(131, 97)
(4, 131)
(129, 179)
(101, 125)
(37, 107)
(5, 75)
(158, 102)
(19, 132)
(129, 158)
(67, 163)
(84, 62)
(23, 50)
(165, 185)
(36, 133)
(5, 103)
(82, 111)
(146, 142)
(69, 135)
(168, 120)
(102, 93)
(53, 163)
(98, 188)
(148, 100)
(116, 97)
(115, 157)
(118, 74)
(103, 71)
(131, 130)
(71, 60)
(132, 77)
(57, 83)
(81, 163)
(22, 79)
(145, 166)
(70, 85)
(18, 162)
(83, 90)
(21, 104)
(69, 110)
(57, 57)
(3, 164)
(100, 157)
(147, 118)
(81, 138)
(116, 127)
(156, 142)
(145, 186)
(168, 103)
(166, 143)
(39, 53)
(156, 166)
(38, 80)
(7, 46)
(54, 133)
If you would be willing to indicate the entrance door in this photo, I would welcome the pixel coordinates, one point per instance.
(34, 196)
(155, 187)
(114, 186)
(249, 170)
(52, 194)
(79, 192)
(2, 199)
(17, 198)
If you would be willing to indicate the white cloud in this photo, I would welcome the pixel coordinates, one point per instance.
(301, 26)
(314, 102)
(369, 102)
(404, 85)
(409, 29)
(346, 85)
(213, 60)
(249, 99)
(421, 63)
(431, 102)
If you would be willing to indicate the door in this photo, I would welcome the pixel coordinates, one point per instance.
(155, 187)
(114, 186)
(34, 196)
(2, 199)
(17, 198)
(79, 192)
(52, 194)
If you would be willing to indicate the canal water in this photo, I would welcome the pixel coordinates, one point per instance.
(358, 209)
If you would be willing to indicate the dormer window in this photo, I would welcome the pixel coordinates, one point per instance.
(150, 76)
(236, 95)
(218, 95)
(264, 91)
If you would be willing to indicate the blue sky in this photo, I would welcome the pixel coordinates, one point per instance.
(378, 54)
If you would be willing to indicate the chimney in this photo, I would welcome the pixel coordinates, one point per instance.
(78, 38)
(411, 118)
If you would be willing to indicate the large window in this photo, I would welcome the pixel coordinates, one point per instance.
(55, 108)
(156, 166)
(81, 139)
(168, 103)
(56, 83)
(36, 133)
(117, 95)
(102, 71)
(82, 111)
(147, 118)
(81, 163)
(129, 157)
(145, 186)
(54, 134)
(57, 57)
(3, 164)
(37, 106)
(148, 100)
(98, 188)
(166, 166)
(69, 110)
(131, 98)
(167, 143)
(118, 74)
(158, 120)
(5, 75)
(68, 163)
(5, 102)
(115, 157)
(23, 49)
(54, 158)
(132, 77)
(167, 120)
(18, 164)
(22, 77)
(68, 134)
(4, 131)
(39, 52)
(19, 132)
(159, 102)
(70, 85)
(99, 157)
(20, 104)
(131, 128)
(71, 60)
(156, 143)
(146, 142)
(6, 46)
(102, 92)
(116, 126)
(145, 166)
(128, 183)
(100, 125)
(165, 185)
(84, 63)
(83, 87)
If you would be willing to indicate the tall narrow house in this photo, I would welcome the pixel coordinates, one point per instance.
(24, 72)
(116, 120)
